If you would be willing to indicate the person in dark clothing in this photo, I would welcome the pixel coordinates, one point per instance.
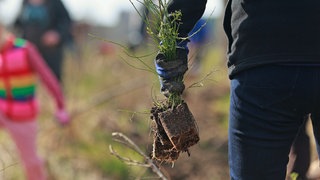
(47, 24)
(137, 35)
(300, 154)
(273, 55)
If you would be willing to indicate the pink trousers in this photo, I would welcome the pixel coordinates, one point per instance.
(24, 135)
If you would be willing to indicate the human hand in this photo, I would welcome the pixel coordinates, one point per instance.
(51, 38)
(62, 117)
(171, 72)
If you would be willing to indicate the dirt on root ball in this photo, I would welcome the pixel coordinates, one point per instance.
(175, 130)
(163, 149)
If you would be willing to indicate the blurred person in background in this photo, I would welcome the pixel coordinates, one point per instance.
(20, 66)
(48, 25)
(274, 71)
(137, 35)
(198, 45)
(300, 154)
(203, 35)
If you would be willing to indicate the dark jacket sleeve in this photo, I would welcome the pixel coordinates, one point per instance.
(192, 11)
(62, 21)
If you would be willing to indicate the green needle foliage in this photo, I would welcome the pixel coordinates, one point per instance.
(163, 29)
(162, 26)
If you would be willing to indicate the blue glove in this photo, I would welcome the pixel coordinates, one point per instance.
(171, 72)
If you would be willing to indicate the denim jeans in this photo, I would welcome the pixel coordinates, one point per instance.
(267, 106)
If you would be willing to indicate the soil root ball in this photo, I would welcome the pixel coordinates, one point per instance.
(175, 130)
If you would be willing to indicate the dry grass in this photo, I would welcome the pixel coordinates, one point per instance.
(105, 95)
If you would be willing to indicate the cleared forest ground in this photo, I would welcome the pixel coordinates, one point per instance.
(105, 95)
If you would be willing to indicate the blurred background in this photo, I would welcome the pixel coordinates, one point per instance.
(106, 91)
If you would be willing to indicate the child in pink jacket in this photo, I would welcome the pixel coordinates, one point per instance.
(20, 65)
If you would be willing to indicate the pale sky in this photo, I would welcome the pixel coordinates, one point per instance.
(101, 12)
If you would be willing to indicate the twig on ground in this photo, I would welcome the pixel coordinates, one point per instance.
(149, 163)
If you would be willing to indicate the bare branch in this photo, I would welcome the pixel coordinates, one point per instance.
(148, 161)
(127, 160)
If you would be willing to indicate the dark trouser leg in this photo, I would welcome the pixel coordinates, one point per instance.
(54, 59)
(266, 112)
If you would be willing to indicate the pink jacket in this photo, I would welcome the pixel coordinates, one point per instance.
(20, 64)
